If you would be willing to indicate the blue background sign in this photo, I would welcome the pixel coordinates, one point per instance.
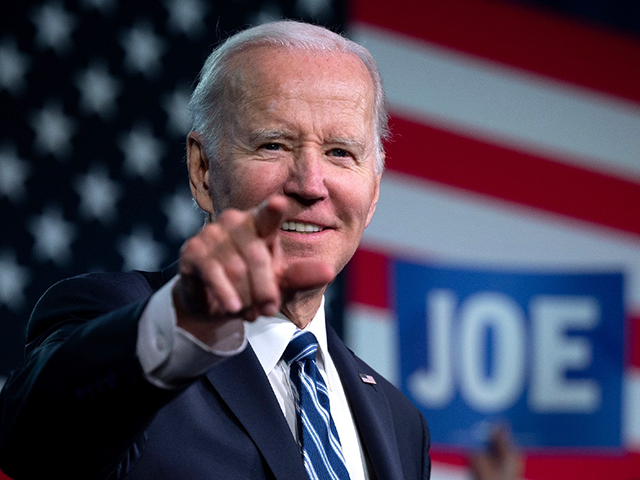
(540, 351)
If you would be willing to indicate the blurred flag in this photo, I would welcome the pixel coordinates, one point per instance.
(512, 193)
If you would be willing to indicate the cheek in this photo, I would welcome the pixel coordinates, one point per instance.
(355, 200)
(254, 183)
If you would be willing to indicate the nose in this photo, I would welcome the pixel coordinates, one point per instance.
(306, 181)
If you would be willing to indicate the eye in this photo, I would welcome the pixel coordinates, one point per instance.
(271, 146)
(339, 152)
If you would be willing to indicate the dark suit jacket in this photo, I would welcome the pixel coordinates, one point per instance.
(81, 407)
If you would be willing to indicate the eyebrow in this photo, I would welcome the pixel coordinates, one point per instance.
(350, 143)
(266, 134)
(269, 134)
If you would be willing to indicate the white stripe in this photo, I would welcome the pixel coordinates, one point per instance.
(441, 471)
(371, 333)
(504, 105)
(631, 410)
(442, 224)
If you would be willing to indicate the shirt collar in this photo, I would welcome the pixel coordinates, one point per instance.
(269, 336)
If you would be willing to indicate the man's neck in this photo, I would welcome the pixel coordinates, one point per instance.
(302, 306)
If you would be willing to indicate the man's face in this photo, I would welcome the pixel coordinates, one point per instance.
(301, 125)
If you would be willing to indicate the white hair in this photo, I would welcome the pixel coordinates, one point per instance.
(210, 98)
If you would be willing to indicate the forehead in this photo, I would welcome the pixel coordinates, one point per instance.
(278, 72)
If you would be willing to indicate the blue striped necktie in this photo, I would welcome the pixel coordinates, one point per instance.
(317, 434)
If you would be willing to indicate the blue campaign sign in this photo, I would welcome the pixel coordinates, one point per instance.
(541, 351)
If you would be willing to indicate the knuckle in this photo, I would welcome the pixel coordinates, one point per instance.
(236, 269)
(231, 217)
(256, 253)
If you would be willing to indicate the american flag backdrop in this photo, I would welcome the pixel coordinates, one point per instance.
(516, 145)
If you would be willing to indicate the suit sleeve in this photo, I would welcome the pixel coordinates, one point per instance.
(80, 404)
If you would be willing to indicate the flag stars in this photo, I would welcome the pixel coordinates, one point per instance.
(140, 251)
(314, 8)
(13, 67)
(187, 17)
(142, 153)
(143, 50)
(105, 7)
(13, 174)
(53, 130)
(98, 194)
(176, 106)
(54, 26)
(53, 236)
(14, 278)
(184, 217)
(267, 13)
(98, 90)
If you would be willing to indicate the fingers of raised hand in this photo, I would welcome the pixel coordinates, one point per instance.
(229, 268)
(204, 288)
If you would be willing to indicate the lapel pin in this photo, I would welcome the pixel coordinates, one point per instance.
(367, 379)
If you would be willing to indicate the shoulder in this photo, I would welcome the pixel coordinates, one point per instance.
(88, 296)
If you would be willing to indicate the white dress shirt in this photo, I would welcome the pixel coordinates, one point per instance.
(171, 356)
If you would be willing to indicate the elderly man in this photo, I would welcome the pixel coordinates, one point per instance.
(223, 366)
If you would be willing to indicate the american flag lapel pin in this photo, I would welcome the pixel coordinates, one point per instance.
(367, 379)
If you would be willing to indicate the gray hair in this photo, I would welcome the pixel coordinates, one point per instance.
(209, 99)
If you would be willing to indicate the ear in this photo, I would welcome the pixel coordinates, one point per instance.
(374, 201)
(198, 166)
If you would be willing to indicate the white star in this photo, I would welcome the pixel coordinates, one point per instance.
(142, 153)
(140, 251)
(13, 174)
(13, 67)
(98, 194)
(143, 49)
(53, 130)
(314, 8)
(13, 280)
(53, 236)
(185, 218)
(187, 17)
(175, 105)
(98, 90)
(105, 7)
(268, 13)
(54, 26)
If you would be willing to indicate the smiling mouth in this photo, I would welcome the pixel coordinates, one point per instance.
(300, 227)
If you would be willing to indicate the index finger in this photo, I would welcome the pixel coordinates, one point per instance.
(269, 215)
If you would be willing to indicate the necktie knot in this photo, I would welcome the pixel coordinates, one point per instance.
(302, 346)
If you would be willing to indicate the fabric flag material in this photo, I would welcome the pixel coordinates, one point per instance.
(515, 151)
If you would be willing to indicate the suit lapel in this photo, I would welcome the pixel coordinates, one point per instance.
(370, 410)
(244, 387)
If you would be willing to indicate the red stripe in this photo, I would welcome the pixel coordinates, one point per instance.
(444, 157)
(633, 339)
(583, 467)
(566, 467)
(519, 36)
(368, 275)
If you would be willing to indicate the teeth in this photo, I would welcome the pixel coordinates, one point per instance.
(300, 227)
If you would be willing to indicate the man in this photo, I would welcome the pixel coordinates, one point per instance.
(158, 375)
